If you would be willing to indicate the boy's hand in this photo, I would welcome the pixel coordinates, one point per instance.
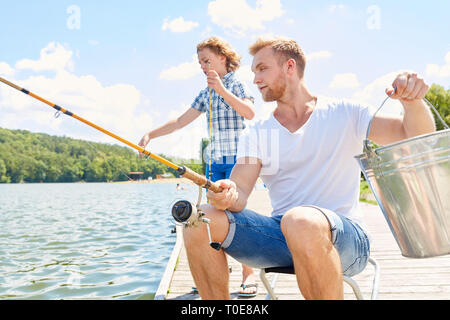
(225, 199)
(214, 82)
(143, 143)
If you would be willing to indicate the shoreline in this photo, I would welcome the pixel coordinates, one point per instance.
(166, 180)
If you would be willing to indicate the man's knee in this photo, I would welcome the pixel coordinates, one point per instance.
(218, 222)
(306, 226)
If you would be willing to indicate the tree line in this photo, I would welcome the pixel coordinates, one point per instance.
(38, 157)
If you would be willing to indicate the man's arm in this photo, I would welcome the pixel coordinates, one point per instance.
(237, 190)
(417, 119)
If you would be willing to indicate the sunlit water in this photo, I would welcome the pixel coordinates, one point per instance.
(85, 241)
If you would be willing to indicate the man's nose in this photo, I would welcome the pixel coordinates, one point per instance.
(256, 79)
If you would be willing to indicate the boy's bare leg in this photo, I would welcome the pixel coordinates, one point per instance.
(248, 277)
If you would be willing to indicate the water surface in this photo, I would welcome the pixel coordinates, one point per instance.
(85, 241)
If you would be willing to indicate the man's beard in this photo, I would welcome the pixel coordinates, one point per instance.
(275, 92)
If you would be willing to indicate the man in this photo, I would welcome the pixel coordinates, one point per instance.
(305, 155)
(230, 103)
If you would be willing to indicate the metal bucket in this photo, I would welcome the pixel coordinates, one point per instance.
(411, 182)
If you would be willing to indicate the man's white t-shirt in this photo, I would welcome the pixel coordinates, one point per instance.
(314, 165)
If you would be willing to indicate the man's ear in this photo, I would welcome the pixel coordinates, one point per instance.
(291, 66)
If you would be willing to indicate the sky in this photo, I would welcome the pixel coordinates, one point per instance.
(130, 66)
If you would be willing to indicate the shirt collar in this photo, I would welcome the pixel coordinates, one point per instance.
(228, 76)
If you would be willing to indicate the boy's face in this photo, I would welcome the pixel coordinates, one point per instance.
(210, 61)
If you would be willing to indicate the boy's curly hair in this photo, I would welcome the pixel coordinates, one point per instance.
(221, 47)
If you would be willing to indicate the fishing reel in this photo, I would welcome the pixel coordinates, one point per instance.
(184, 212)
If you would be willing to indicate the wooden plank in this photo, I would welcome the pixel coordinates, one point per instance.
(166, 279)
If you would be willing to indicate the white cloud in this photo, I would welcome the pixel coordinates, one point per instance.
(246, 74)
(183, 71)
(54, 57)
(332, 8)
(184, 143)
(434, 70)
(374, 93)
(207, 32)
(179, 25)
(238, 16)
(344, 81)
(318, 55)
(113, 107)
(5, 69)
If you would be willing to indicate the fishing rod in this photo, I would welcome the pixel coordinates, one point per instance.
(182, 210)
(182, 170)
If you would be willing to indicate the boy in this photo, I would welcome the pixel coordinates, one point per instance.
(230, 104)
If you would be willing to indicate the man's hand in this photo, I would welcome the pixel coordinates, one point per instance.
(214, 82)
(409, 87)
(225, 199)
(410, 90)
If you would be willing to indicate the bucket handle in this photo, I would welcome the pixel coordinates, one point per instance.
(367, 141)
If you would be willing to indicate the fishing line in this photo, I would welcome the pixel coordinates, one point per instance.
(198, 179)
(182, 211)
(210, 135)
(102, 154)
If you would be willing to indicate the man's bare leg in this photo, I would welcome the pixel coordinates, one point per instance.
(316, 261)
(208, 266)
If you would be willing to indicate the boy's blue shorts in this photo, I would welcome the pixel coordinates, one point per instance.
(220, 170)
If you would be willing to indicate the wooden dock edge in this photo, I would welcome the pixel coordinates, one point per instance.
(166, 279)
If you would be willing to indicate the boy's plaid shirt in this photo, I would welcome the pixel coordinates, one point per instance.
(226, 123)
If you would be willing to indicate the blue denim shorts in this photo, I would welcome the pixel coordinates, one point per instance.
(257, 241)
(220, 169)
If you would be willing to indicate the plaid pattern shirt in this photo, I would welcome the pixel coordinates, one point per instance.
(226, 123)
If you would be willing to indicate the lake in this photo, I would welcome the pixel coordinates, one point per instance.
(86, 240)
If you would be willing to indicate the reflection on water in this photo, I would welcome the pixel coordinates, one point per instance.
(85, 241)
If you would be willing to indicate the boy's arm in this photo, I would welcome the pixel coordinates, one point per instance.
(243, 107)
(170, 126)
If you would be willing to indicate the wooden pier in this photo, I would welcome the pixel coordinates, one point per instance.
(401, 278)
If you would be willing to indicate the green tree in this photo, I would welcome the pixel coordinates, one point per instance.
(203, 156)
(440, 99)
(3, 177)
(36, 157)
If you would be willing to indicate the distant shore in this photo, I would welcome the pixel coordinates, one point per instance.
(166, 180)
